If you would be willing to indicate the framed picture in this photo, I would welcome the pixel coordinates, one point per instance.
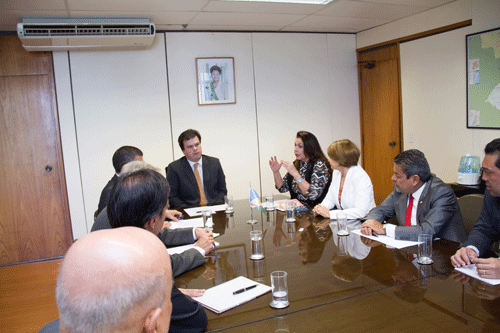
(483, 79)
(215, 81)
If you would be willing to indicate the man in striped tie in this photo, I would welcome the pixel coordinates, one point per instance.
(421, 202)
(195, 179)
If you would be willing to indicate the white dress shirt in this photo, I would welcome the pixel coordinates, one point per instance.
(357, 195)
(390, 229)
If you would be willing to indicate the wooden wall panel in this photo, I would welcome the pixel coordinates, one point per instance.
(15, 60)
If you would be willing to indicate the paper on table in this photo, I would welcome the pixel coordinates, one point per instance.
(398, 244)
(281, 204)
(472, 271)
(220, 298)
(190, 223)
(182, 248)
(197, 211)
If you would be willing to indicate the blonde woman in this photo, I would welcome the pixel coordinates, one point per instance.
(351, 189)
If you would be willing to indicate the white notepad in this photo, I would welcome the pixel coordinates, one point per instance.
(220, 298)
(190, 223)
(182, 248)
(197, 211)
(398, 244)
(471, 270)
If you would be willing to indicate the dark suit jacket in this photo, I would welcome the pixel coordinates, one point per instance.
(438, 213)
(184, 190)
(187, 314)
(182, 262)
(106, 192)
(486, 230)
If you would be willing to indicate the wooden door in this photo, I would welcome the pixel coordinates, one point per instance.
(380, 115)
(34, 213)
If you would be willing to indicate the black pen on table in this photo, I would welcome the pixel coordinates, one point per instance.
(239, 291)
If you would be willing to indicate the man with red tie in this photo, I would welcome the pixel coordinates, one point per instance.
(421, 202)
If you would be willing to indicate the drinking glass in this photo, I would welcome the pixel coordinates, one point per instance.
(257, 245)
(207, 215)
(279, 287)
(228, 200)
(290, 211)
(425, 249)
(270, 202)
(342, 224)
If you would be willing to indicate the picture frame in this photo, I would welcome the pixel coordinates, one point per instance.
(483, 79)
(215, 81)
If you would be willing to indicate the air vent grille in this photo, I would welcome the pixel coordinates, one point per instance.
(88, 30)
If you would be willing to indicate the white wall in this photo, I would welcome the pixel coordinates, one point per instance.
(284, 83)
(433, 81)
(453, 12)
(228, 131)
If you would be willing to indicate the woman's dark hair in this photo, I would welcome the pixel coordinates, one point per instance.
(312, 150)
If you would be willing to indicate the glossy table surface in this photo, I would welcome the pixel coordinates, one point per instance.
(339, 283)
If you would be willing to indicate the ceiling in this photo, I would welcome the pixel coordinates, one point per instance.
(348, 16)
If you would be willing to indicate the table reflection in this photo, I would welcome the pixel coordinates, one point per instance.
(309, 250)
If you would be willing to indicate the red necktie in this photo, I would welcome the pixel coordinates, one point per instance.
(408, 212)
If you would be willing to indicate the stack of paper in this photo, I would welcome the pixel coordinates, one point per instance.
(398, 244)
(197, 211)
(191, 223)
(471, 270)
(182, 248)
(220, 298)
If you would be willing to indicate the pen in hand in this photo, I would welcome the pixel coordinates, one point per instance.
(239, 291)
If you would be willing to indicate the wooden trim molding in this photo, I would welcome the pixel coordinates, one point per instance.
(427, 33)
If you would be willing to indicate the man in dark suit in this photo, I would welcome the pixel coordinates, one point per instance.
(195, 179)
(122, 156)
(421, 202)
(140, 199)
(486, 231)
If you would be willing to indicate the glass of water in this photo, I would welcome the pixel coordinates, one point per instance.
(257, 245)
(207, 216)
(270, 202)
(342, 224)
(228, 200)
(290, 211)
(279, 287)
(425, 249)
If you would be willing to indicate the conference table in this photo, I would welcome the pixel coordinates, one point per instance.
(346, 283)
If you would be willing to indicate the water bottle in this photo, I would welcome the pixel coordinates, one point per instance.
(469, 170)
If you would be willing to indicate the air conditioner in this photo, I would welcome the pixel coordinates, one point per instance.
(62, 34)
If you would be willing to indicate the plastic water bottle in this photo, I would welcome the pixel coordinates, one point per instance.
(469, 170)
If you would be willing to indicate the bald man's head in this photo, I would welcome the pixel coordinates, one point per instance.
(116, 280)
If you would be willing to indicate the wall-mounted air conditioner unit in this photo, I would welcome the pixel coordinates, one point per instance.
(62, 34)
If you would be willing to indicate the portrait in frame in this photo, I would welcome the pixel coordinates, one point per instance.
(215, 81)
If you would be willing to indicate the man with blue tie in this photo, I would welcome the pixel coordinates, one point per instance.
(195, 179)
(421, 202)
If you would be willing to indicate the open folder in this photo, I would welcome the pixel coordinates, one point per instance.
(221, 298)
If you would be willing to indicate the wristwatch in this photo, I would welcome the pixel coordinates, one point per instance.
(300, 180)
